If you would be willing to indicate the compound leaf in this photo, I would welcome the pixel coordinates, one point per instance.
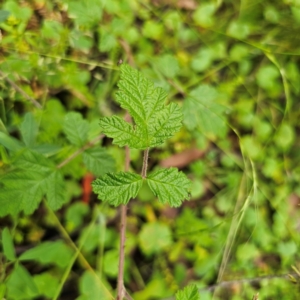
(117, 188)
(169, 185)
(202, 112)
(190, 292)
(76, 129)
(154, 122)
(98, 161)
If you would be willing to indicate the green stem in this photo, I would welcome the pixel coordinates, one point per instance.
(72, 261)
(81, 258)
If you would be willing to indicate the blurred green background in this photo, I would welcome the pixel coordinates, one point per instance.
(233, 66)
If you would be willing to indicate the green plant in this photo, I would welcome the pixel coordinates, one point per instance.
(234, 69)
(153, 123)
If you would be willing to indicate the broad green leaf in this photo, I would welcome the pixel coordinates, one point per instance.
(202, 112)
(92, 238)
(98, 161)
(154, 122)
(85, 13)
(21, 190)
(57, 253)
(24, 187)
(168, 65)
(75, 214)
(238, 30)
(267, 76)
(111, 263)
(20, 284)
(34, 162)
(190, 292)
(56, 192)
(90, 289)
(117, 188)
(154, 237)
(204, 15)
(76, 129)
(170, 186)
(46, 149)
(3, 15)
(47, 284)
(285, 136)
(29, 129)
(8, 245)
(9, 142)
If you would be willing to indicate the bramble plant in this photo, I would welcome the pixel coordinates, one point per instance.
(153, 123)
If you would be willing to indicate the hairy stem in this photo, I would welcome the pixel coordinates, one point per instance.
(145, 163)
(121, 288)
(121, 292)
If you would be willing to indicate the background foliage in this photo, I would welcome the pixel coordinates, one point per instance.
(232, 66)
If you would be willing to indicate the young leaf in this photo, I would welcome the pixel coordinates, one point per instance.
(76, 129)
(190, 292)
(121, 131)
(117, 188)
(202, 112)
(29, 129)
(169, 185)
(154, 121)
(8, 245)
(98, 161)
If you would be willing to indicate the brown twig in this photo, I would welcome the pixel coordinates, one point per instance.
(23, 93)
(121, 289)
(79, 151)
